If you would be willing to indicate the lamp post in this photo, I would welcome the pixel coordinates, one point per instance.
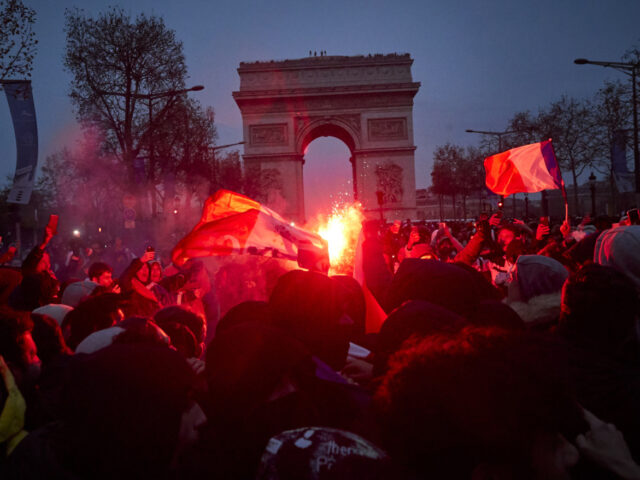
(499, 135)
(150, 97)
(592, 187)
(631, 69)
(214, 167)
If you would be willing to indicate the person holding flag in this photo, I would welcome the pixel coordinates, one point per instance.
(527, 169)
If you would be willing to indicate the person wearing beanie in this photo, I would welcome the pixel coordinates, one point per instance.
(620, 248)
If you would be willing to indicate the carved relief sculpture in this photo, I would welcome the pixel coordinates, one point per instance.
(274, 134)
(390, 182)
(387, 129)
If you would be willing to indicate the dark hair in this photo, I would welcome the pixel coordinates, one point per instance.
(175, 313)
(13, 325)
(453, 402)
(249, 311)
(91, 315)
(35, 290)
(141, 330)
(413, 321)
(351, 296)
(599, 308)
(306, 305)
(182, 339)
(97, 269)
(47, 336)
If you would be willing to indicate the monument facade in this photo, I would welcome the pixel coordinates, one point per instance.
(365, 101)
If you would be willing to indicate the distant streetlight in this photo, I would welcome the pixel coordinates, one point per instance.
(499, 135)
(631, 69)
(592, 187)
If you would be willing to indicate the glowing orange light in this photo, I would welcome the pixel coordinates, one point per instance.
(341, 230)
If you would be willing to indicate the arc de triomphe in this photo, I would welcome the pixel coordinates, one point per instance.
(365, 101)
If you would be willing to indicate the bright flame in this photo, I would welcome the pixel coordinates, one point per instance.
(341, 230)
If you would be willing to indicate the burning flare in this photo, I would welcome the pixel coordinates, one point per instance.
(341, 230)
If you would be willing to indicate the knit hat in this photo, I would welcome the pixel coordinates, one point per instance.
(317, 453)
(620, 248)
(54, 310)
(539, 275)
(77, 291)
(98, 340)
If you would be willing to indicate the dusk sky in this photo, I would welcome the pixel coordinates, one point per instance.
(478, 62)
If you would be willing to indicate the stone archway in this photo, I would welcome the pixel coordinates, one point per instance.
(365, 101)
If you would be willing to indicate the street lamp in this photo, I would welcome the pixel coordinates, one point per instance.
(214, 168)
(150, 97)
(499, 135)
(592, 187)
(631, 69)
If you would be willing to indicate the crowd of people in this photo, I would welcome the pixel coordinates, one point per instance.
(488, 350)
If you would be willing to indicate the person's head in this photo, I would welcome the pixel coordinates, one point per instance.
(600, 307)
(506, 235)
(123, 409)
(34, 291)
(245, 312)
(91, 315)
(619, 247)
(453, 407)
(307, 305)
(101, 273)
(156, 272)
(414, 320)
(309, 452)
(141, 330)
(47, 336)
(351, 297)
(444, 284)
(536, 275)
(194, 323)
(143, 273)
(395, 226)
(444, 249)
(16, 344)
(414, 235)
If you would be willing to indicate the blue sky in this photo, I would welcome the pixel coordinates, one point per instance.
(479, 62)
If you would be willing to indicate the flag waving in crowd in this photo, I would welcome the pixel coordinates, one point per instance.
(234, 224)
(528, 169)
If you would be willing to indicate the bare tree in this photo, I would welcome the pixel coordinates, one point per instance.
(613, 113)
(572, 126)
(444, 177)
(119, 66)
(17, 40)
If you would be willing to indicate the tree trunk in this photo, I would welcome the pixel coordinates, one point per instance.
(575, 188)
(453, 204)
(464, 207)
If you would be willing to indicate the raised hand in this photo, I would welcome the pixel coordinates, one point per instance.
(605, 445)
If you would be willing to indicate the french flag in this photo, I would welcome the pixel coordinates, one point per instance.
(531, 168)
